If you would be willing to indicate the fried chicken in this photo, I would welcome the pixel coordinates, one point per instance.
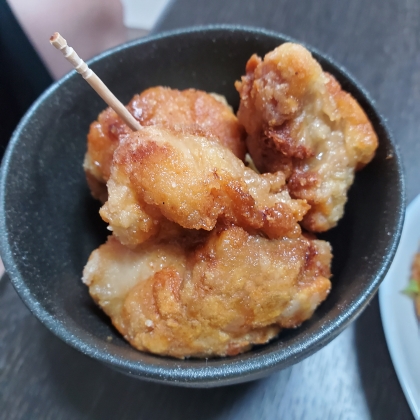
(207, 294)
(159, 175)
(191, 111)
(207, 256)
(299, 121)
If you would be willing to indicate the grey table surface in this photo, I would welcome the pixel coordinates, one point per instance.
(378, 41)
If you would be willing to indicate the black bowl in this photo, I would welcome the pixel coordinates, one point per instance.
(49, 223)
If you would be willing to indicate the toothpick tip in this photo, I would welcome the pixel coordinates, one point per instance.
(57, 40)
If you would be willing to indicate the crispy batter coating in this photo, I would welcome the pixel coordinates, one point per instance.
(212, 294)
(190, 111)
(301, 122)
(160, 174)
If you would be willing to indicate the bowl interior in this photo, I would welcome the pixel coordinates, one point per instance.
(50, 224)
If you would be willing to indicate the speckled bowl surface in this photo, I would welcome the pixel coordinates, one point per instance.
(49, 224)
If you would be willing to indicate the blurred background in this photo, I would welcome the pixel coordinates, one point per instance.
(91, 26)
(28, 62)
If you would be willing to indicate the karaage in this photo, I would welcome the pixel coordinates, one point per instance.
(300, 121)
(207, 256)
(159, 175)
(208, 294)
(190, 111)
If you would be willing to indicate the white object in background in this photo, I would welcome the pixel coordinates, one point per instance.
(142, 14)
(401, 327)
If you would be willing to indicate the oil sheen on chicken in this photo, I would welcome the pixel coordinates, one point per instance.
(190, 111)
(207, 256)
(159, 175)
(208, 294)
(300, 121)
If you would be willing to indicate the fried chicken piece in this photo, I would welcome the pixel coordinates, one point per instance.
(160, 174)
(212, 294)
(300, 121)
(190, 111)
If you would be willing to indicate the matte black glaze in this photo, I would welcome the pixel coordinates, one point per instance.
(49, 223)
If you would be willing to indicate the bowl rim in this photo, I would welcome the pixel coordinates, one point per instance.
(235, 370)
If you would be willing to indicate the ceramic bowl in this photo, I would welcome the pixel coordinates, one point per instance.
(49, 224)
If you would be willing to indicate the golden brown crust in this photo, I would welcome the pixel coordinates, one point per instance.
(300, 121)
(191, 111)
(207, 257)
(159, 174)
(216, 295)
(103, 139)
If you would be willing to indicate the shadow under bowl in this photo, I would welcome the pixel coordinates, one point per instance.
(49, 224)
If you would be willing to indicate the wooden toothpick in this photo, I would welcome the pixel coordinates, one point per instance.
(81, 67)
